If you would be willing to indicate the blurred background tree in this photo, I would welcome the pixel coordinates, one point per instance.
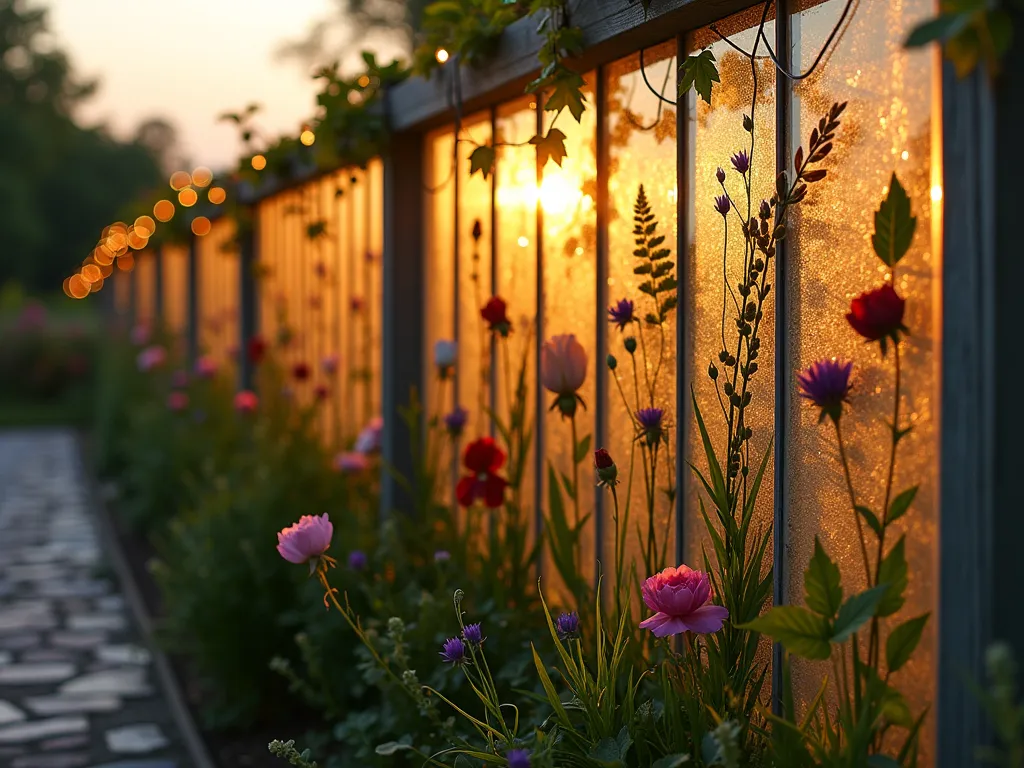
(60, 182)
(388, 27)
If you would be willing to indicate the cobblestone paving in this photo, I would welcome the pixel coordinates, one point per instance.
(76, 687)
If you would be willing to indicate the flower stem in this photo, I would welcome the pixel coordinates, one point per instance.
(853, 500)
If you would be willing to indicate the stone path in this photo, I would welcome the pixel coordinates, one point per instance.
(76, 687)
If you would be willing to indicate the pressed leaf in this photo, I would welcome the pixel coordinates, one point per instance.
(894, 225)
(893, 575)
(871, 518)
(800, 631)
(856, 612)
(938, 29)
(582, 449)
(822, 583)
(699, 72)
(900, 505)
(902, 641)
(482, 160)
(550, 147)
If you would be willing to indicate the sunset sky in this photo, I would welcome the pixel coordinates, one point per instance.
(189, 61)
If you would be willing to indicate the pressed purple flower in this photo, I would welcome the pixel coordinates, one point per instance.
(473, 634)
(722, 204)
(720, 175)
(826, 385)
(518, 758)
(766, 210)
(621, 314)
(455, 421)
(357, 560)
(442, 556)
(650, 422)
(454, 651)
(741, 161)
(567, 626)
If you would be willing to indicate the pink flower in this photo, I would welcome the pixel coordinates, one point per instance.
(140, 334)
(307, 539)
(679, 597)
(246, 401)
(151, 357)
(563, 364)
(563, 369)
(206, 367)
(351, 461)
(369, 439)
(177, 401)
(329, 365)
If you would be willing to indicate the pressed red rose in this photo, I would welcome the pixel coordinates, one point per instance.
(495, 312)
(257, 348)
(877, 314)
(483, 458)
(300, 371)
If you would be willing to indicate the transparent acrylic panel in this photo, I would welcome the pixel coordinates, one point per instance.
(716, 133)
(375, 280)
(474, 276)
(568, 196)
(339, 279)
(516, 265)
(439, 272)
(175, 290)
(145, 287)
(268, 268)
(642, 151)
(889, 126)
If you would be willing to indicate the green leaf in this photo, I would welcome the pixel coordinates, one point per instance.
(871, 518)
(390, 748)
(582, 449)
(800, 631)
(822, 583)
(856, 612)
(893, 575)
(606, 753)
(699, 72)
(900, 505)
(939, 29)
(567, 93)
(894, 225)
(549, 689)
(482, 160)
(902, 641)
(550, 147)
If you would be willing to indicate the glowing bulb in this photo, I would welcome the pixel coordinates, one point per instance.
(78, 287)
(136, 239)
(91, 273)
(202, 176)
(163, 210)
(364, 81)
(937, 192)
(216, 195)
(259, 162)
(523, 241)
(188, 197)
(557, 194)
(307, 137)
(201, 226)
(441, 55)
(905, 155)
(145, 226)
(180, 180)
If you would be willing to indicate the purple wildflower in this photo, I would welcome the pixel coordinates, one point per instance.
(518, 758)
(621, 314)
(722, 204)
(826, 384)
(720, 175)
(455, 421)
(442, 556)
(473, 634)
(650, 422)
(741, 161)
(357, 560)
(567, 626)
(454, 651)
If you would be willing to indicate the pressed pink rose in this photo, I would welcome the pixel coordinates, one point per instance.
(563, 364)
(206, 367)
(177, 401)
(246, 401)
(150, 358)
(679, 598)
(309, 538)
(351, 462)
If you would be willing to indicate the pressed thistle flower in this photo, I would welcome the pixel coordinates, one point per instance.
(720, 175)
(826, 385)
(650, 420)
(454, 651)
(621, 313)
(567, 626)
(455, 421)
(473, 634)
(722, 204)
(741, 161)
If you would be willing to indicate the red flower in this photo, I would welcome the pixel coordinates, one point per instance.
(300, 371)
(878, 315)
(483, 459)
(495, 312)
(256, 350)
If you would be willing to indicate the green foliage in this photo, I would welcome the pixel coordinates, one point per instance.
(894, 226)
(971, 32)
(699, 71)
